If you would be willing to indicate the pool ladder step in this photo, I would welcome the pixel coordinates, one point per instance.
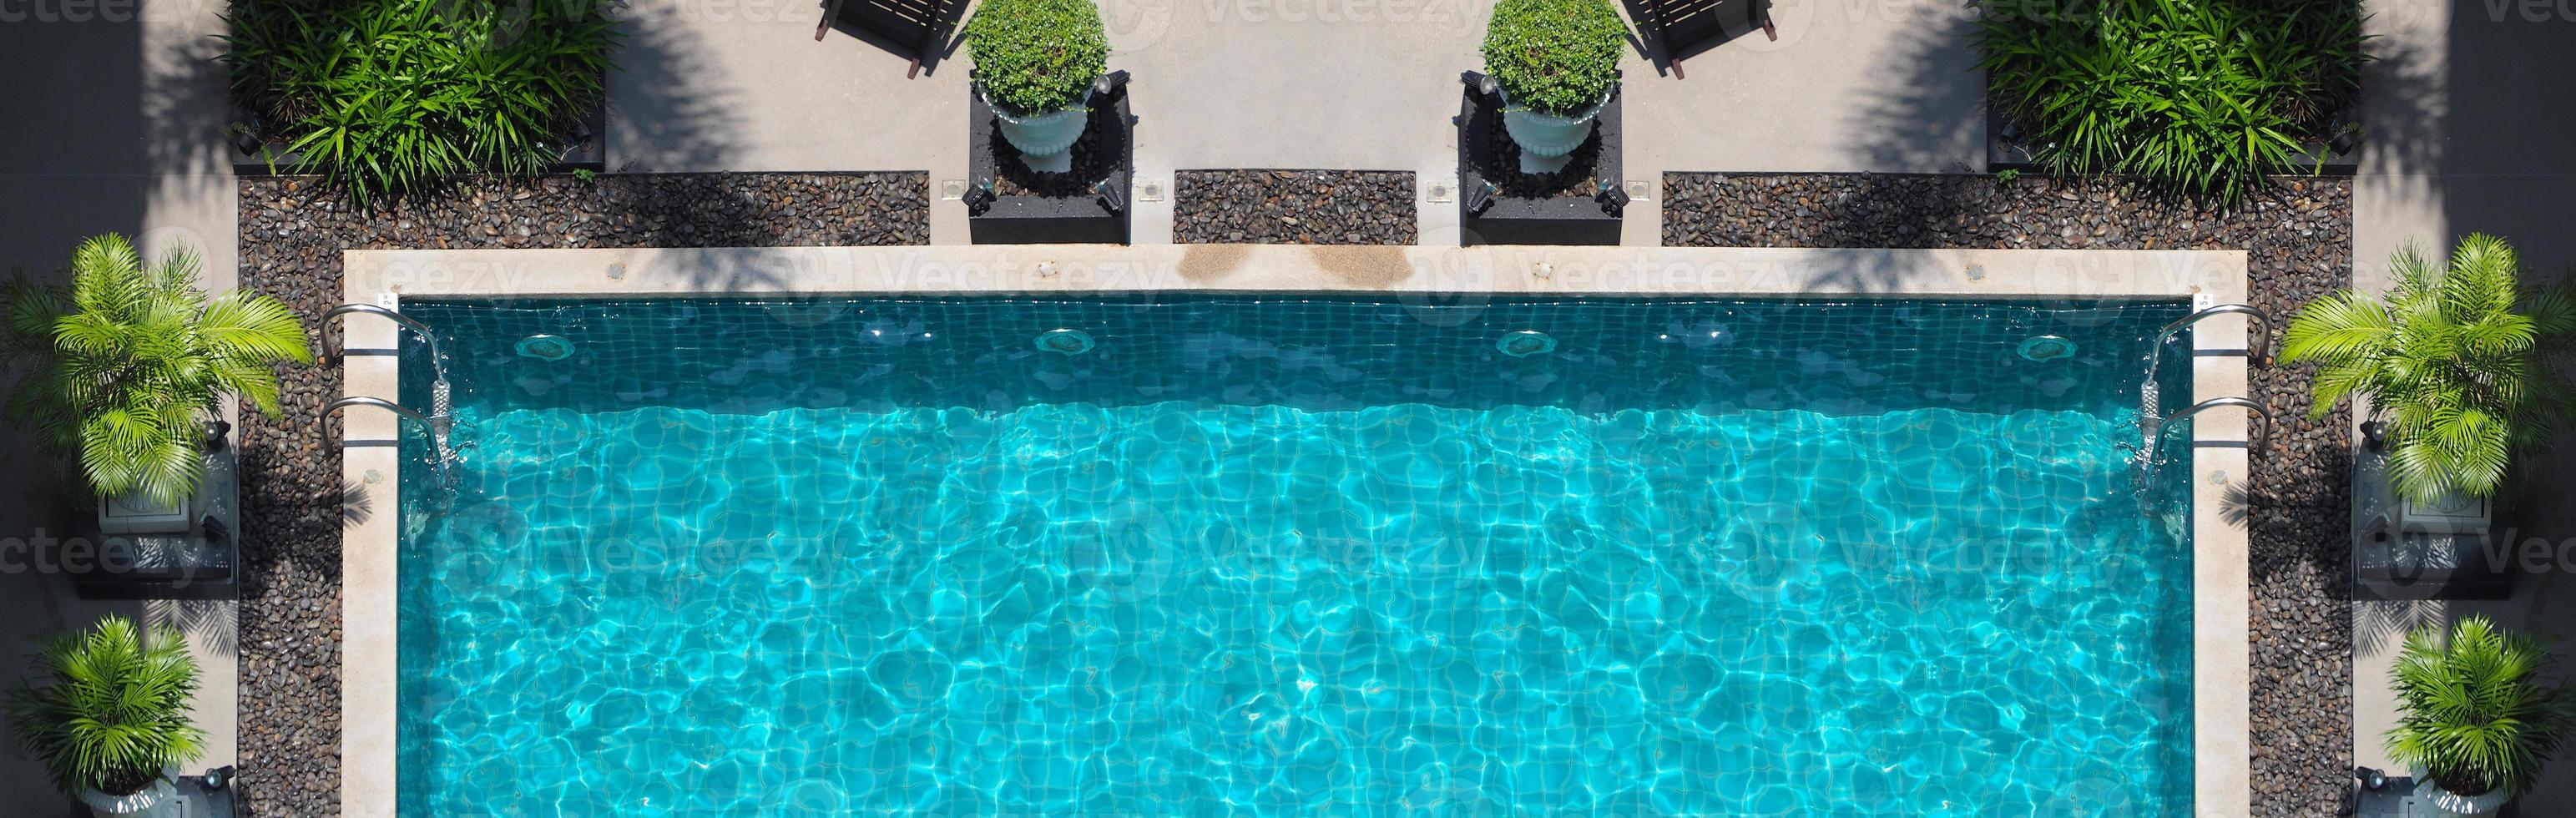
(2153, 421)
(2149, 402)
(439, 421)
(438, 425)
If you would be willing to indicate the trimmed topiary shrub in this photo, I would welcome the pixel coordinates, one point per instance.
(2201, 99)
(1557, 57)
(1037, 56)
(388, 95)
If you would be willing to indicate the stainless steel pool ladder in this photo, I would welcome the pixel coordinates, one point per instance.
(441, 394)
(2152, 428)
(2149, 403)
(443, 455)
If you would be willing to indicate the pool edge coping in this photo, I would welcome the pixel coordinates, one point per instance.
(2219, 452)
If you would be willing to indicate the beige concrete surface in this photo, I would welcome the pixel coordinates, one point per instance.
(114, 124)
(369, 571)
(1341, 84)
(741, 85)
(2468, 110)
(2038, 274)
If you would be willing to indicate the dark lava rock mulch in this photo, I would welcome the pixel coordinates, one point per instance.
(2298, 242)
(291, 240)
(1502, 166)
(1293, 207)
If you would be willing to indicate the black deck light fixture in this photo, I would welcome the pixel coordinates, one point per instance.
(1109, 196)
(1612, 198)
(1108, 83)
(1481, 196)
(980, 194)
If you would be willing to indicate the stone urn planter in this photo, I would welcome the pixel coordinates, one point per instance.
(2453, 803)
(1547, 141)
(1554, 63)
(1045, 141)
(159, 800)
(1038, 63)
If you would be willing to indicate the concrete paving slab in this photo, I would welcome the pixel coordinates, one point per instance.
(116, 120)
(1328, 84)
(2468, 111)
(721, 85)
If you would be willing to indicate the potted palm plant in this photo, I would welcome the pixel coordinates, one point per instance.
(2477, 720)
(1035, 64)
(125, 366)
(1555, 62)
(111, 721)
(2460, 363)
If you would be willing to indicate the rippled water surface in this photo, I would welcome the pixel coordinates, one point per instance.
(1294, 557)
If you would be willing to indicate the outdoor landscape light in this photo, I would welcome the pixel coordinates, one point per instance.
(1612, 199)
(1481, 196)
(980, 194)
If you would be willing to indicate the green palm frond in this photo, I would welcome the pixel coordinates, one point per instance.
(2343, 326)
(2475, 711)
(113, 708)
(125, 363)
(2460, 360)
(2411, 273)
(248, 326)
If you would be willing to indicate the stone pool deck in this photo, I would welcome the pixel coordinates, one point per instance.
(1330, 84)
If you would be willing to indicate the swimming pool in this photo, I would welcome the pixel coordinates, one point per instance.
(1284, 555)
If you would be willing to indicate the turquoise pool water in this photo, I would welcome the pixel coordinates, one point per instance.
(1299, 556)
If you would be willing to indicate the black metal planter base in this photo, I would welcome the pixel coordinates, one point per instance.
(1497, 204)
(1081, 212)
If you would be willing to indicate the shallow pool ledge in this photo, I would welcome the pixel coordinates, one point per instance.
(2220, 597)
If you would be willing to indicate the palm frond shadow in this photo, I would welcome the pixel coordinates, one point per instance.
(2236, 505)
(208, 622)
(356, 506)
(2383, 625)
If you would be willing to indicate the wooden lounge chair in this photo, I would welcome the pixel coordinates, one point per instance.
(1682, 25)
(898, 22)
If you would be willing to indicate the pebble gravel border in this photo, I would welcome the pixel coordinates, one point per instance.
(291, 239)
(1293, 207)
(2298, 243)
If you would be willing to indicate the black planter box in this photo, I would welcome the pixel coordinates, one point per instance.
(1097, 213)
(1496, 208)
